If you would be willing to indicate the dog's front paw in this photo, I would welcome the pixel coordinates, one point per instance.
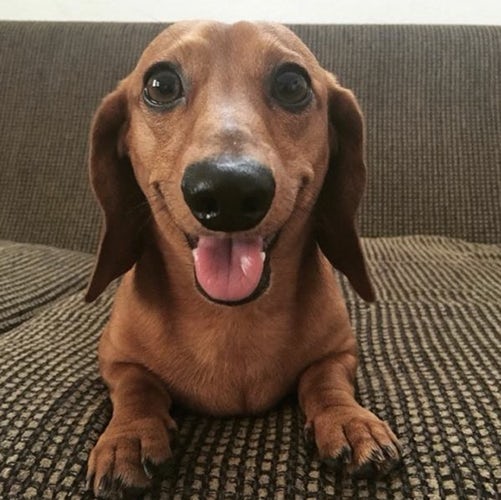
(128, 456)
(356, 439)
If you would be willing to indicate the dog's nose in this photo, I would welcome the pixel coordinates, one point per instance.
(228, 195)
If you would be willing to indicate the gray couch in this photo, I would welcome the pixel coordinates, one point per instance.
(430, 346)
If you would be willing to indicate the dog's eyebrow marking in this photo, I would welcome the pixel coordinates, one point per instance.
(278, 50)
(191, 43)
(184, 43)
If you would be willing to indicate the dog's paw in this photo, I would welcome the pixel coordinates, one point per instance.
(355, 439)
(128, 457)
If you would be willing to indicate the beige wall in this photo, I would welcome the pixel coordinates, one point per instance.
(293, 11)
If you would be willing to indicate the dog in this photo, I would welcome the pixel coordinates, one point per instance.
(229, 166)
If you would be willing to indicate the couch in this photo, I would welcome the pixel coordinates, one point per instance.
(430, 347)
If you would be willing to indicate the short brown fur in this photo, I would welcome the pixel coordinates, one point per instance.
(166, 342)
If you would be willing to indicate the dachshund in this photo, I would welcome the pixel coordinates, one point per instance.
(229, 166)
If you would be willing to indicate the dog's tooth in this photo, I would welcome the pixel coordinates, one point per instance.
(262, 255)
(195, 254)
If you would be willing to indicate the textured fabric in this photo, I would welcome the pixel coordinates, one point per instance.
(430, 97)
(429, 365)
(52, 273)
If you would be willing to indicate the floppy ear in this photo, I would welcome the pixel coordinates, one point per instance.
(342, 191)
(122, 202)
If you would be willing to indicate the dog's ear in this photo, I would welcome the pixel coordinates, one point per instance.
(122, 202)
(342, 190)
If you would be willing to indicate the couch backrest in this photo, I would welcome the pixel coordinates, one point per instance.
(431, 97)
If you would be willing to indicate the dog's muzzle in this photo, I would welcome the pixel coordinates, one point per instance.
(228, 196)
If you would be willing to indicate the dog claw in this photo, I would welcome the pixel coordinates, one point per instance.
(341, 459)
(380, 463)
(391, 464)
(377, 456)
(152, 469)
(393, 451)
(104, 488)
(309, 436)
(365, 471)
(149, 468)
(89, 485)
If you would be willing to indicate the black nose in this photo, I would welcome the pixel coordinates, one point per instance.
(228, 194)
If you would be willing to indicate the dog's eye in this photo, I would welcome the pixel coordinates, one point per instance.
(292, 87)
(163, 88)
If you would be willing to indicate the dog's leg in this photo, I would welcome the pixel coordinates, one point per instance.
(345, 433)
(136, 444)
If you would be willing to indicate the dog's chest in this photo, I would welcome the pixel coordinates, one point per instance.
(232, 371)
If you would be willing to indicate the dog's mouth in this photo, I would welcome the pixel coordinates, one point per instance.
(230, 269)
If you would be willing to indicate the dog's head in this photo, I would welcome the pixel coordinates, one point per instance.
(229, 138)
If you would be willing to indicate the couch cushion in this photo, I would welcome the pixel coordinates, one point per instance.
(33, 276)
(429, 366)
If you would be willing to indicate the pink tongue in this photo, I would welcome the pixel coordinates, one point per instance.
(228, 269)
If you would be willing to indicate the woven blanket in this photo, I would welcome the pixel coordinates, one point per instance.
(429, 365)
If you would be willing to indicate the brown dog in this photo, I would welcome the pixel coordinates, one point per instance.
(229, 166)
